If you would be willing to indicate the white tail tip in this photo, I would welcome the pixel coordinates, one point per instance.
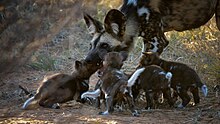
(134, 77)
(204, 90)
(31, 101)
(169, 75)
(93, 94)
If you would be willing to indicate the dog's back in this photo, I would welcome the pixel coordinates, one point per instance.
(49, 85)
(154, 78)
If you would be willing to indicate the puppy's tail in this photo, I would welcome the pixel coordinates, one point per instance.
(204, 90)
(135, 76)
(168, 76)
(91, 94)
(30, 103)
(202, 86)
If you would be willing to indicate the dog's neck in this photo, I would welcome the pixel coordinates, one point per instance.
(164, 64)
(79, 77)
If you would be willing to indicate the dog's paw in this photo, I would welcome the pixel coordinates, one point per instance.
(148, 108)
(135, 113)
(104, 113)
(55, 106)
(180, 106)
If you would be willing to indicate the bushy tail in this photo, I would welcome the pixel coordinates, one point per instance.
(204, 90)
(30, 103)
(169, 76)
(134, 77)
(93, 94)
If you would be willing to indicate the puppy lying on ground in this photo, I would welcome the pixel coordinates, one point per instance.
(113, 84)
(60, 88)
(153, 80)
(184, 78)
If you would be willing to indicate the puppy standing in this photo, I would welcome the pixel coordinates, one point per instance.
(113, 83)
(60, 88)
(184, 78)
(152, 79)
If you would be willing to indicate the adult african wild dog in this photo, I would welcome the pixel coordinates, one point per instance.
(184, 78)
(148, 19)
(113, 83)
(153, 80)
(60, 88)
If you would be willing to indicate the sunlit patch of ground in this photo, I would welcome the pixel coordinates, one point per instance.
(19, 120)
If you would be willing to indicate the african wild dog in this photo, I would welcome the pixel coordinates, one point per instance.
(153, 80)
(113, 83)
(149, 19)
(60, 88)
(184, 78)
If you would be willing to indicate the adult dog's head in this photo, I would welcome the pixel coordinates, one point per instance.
(107, 37)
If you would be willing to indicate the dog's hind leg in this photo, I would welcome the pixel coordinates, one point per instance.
(131, 104)
(167, 95)
(195, 92)
(49, 103)
(185, 98)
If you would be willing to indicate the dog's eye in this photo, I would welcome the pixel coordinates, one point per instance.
(104, 45)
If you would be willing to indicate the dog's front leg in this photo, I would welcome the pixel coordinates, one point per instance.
(149, 98)
(109, 103)
(130, 101)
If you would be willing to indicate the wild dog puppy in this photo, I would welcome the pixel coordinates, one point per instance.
(60, 88)
(113, 83)
(153, 80)
(97, 86)
(184, 78)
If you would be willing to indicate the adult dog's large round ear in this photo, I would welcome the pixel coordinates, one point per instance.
(114, 23)
(93, 25)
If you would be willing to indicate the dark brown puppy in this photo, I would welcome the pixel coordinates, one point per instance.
(152, 79)
(113, 83)
(60, 88)
(184, 78)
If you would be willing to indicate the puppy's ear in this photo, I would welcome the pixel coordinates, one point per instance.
(78, 64)
(124, 55)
